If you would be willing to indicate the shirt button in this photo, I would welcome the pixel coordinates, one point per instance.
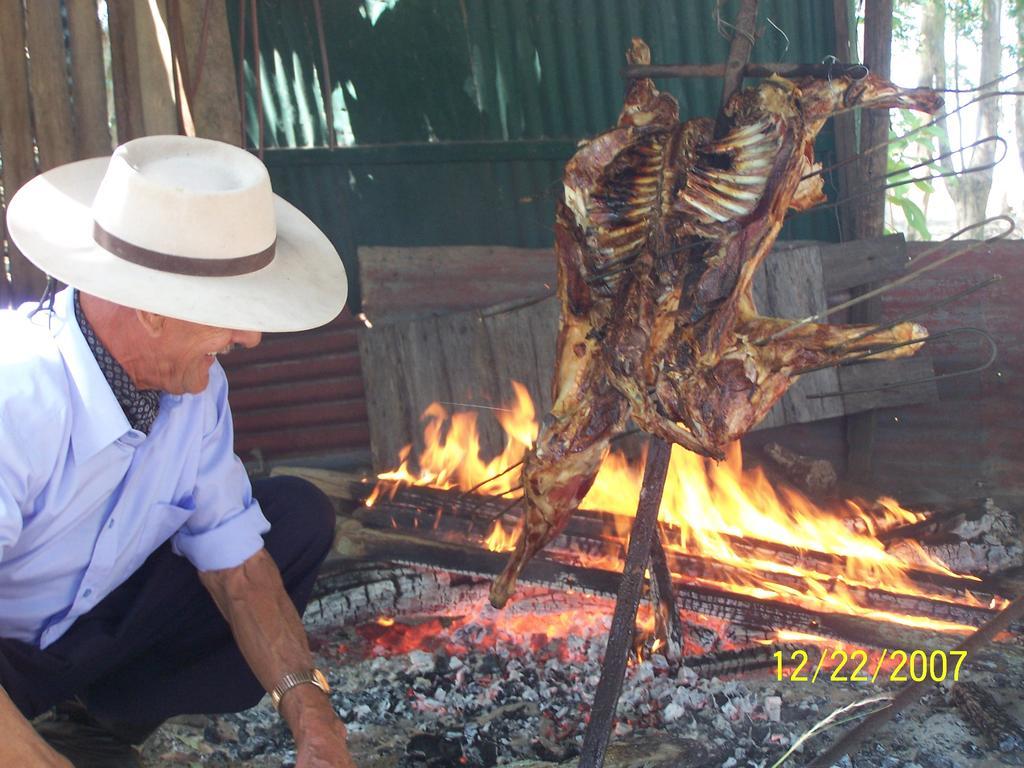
(111, 523)
(87, 593)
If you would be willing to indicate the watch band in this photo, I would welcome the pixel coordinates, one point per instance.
(292, 679)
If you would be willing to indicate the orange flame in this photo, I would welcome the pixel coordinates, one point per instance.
(500, 540)
(707, 507)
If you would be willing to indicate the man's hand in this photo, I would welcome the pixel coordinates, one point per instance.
(270, 635)
(319, 734)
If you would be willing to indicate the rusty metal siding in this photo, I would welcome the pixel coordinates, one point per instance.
(299, 394)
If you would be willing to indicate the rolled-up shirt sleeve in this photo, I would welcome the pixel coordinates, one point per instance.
(227, 525)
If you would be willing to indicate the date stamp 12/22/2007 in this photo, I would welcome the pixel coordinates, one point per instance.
(856, 666)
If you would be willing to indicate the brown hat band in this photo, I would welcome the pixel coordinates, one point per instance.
(182, 265)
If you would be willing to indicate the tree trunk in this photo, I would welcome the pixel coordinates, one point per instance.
(975, 187)
(1018, 15)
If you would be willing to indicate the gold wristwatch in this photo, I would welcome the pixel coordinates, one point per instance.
(292, 679)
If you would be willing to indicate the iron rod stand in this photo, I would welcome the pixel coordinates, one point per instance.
(620, 638)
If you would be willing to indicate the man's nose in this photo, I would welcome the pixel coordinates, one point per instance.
(247, 339)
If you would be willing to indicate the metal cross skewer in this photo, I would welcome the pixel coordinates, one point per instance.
(903, 280)
(867, 190)
(993, 353)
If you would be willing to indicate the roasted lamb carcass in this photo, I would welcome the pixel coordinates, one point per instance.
(662, 227)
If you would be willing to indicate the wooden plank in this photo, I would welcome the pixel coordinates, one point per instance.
(402, 283)
(845, 127)
(92, 133)
(391, 416)
(153, 47)
(285, 370)
(124, 56)
(16, 139)
(301, 345)
(794, 288)
(306, 441)
(15, 117)
(887, 372)
(474, 378)
(48, 85)
(214, 102)
(859, 262)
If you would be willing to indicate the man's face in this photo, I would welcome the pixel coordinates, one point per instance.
(184, 352)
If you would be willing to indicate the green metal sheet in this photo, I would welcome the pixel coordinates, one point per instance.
(461, 113)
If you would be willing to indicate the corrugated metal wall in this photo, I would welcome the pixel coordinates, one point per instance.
(457, 116)
(454, 118)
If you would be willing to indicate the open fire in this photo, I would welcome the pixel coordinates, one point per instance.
(708, 509)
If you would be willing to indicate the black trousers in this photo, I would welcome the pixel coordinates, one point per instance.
(157, 646)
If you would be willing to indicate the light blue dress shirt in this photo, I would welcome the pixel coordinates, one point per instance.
(84, 498)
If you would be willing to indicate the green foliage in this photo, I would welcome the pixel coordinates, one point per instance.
(904, 20)
(910, 143)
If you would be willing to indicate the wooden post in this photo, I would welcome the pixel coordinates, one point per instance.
(620, 636)
(92, 132)
(212, 89)
(869, 212)
(845, 127)
(48, 85)
(739, 54)
(16, 139)
(124, 54)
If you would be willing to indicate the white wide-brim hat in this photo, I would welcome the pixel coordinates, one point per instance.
(184, 227)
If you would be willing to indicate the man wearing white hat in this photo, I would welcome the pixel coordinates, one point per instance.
(141, 574)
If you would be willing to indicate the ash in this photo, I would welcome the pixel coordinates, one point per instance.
(473, 694)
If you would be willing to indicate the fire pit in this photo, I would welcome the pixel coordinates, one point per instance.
(426, 673)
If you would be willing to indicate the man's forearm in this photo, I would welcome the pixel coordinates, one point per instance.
(21, 745)
(271, 637)
(265, 624)
(266, 627)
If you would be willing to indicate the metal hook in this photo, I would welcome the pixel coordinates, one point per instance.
(831, 61)
(927, 380)
(779, 29)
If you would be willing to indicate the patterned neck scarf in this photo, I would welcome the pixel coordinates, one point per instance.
(139, 405)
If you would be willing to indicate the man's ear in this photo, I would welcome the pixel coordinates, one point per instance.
(151, 322)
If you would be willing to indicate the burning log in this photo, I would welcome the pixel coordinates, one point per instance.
(722, 663)
(814, 476)
(979, 708)
(373, 545)
(413, 508)
(983, 543)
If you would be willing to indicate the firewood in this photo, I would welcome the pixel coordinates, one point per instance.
(814, 476)
(420, 508)
(370, 545)
(979, 708)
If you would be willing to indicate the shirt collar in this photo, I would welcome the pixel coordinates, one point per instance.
(97, 418)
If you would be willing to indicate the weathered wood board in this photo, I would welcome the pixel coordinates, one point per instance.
(420, 351)
(405, 283)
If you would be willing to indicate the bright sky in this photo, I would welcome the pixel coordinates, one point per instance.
(1007, 194)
